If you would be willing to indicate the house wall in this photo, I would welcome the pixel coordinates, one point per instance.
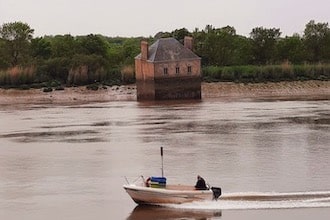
(145, 86)
(182, 85)
(145, 90)
(144, 70)
(183, 66)
(178, 88)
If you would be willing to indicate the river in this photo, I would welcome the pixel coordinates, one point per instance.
(271, 158)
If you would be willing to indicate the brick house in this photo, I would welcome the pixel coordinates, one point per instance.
(168, 70)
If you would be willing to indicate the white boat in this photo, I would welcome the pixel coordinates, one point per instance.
(155, 191)
(174, 194)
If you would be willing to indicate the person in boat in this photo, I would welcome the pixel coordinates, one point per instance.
(200, 184)
(147, 182)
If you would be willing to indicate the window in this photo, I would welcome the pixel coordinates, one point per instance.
(177, 70)
(165, 71)
(189, 70)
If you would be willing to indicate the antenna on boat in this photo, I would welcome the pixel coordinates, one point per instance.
(161, 154)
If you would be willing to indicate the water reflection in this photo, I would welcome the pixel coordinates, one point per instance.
(70, 136)
(164, 213)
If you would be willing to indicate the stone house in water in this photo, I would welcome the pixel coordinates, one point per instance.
(168, 70)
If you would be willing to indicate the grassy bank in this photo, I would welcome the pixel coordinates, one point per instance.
(30, 77)
(38, 77)
(268, 73)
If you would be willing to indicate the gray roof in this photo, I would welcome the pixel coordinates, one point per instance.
(168, 49)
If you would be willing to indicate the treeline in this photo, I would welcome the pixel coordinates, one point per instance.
(64, 59)
(226, 56)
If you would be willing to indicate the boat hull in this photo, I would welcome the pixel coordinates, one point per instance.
(170, 194)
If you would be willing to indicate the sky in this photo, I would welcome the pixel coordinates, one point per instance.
(133, 18)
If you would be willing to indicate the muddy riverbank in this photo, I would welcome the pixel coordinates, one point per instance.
(282, 90)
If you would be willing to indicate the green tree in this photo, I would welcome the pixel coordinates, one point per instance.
(4, 58)
(115, 55)
(242, 53)
(179, 34)
(40, 48)
(291, 49)
(162, 35)
(264, 44)
(63, 46)
(131, 48)
(199, 45)
(93, 44)
(317, 39)
(224, 46)
(17, 37)
(217, 46)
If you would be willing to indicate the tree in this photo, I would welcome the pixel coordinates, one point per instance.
(40, 48)
(63, 46)
(242, 53)
(199, 44)
(4, 58)
(317, 39)
(93, 44)
(162, 35)
(223, 43)
(179, 34)
(16, 37)
(263, 44)
(131, 48)
(291, 49)
(216, 46)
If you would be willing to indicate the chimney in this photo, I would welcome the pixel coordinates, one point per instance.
(144, 50)
(188, 42)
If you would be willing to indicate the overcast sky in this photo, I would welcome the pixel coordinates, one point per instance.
(147, 17)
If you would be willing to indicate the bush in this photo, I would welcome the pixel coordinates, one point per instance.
(128, 74)
(267, 73)
(57, 88)
(78, 76)
(54, 83)
(93, 87)
(24, 87)
(16, 76)
(48, 89)
(212, 73)
(55, 69)
(228, 74)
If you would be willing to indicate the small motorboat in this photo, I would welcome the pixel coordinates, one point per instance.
(158, 192)
(155, 191)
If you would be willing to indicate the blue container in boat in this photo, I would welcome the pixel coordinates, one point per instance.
(158, 182)
(158, 179)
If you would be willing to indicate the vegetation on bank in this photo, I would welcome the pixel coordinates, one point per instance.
(266, 73)
(54, 61)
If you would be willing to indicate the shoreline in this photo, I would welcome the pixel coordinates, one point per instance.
(308, 90)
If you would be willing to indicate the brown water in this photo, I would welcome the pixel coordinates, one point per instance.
(271, 158)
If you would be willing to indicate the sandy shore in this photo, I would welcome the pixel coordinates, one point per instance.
(76, 95)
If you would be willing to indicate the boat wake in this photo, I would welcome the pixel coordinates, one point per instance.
(261, 201)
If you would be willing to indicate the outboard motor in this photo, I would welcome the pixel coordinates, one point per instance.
(216, 192)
